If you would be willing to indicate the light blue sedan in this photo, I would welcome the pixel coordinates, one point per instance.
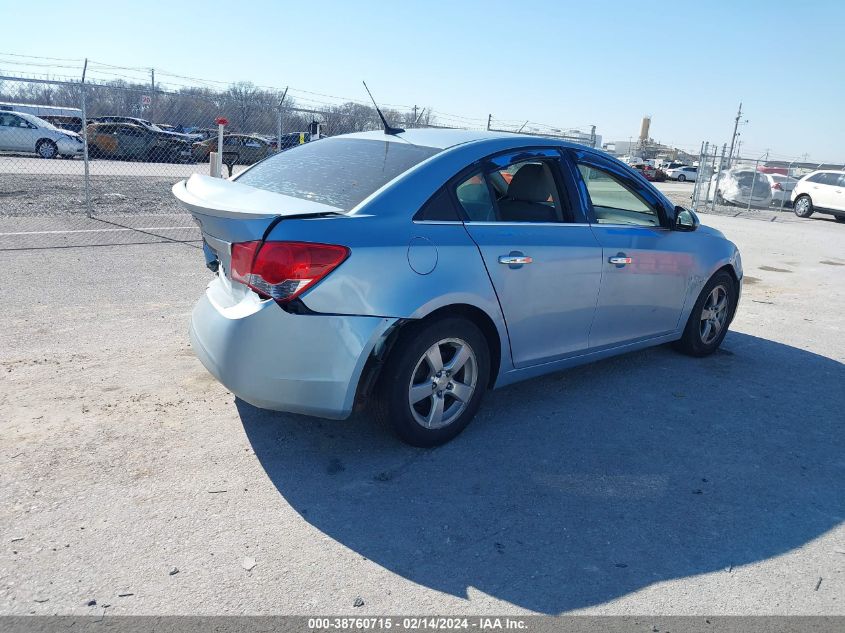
(413, 271)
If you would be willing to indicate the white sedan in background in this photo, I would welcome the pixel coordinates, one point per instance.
(21, 132)
(782, 187)
(682, 174)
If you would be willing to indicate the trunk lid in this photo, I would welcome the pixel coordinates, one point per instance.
(228, 212)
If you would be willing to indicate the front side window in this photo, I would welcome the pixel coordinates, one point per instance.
(614, 202)
(524, 191)
(339, 172)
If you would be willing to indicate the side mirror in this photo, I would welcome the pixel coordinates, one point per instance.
(685, 220)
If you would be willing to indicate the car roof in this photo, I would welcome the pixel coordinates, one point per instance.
(444, 138)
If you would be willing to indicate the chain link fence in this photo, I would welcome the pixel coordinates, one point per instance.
(67, 147)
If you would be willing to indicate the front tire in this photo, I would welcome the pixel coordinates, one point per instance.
(803, 207)
(710, 317)
(46, 149)
(682, 178)
(434, 380)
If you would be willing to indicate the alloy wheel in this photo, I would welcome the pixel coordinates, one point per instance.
(442, 383)
(714, 314)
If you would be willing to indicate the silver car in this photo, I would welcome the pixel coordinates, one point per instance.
(413, 271)
(21, 132)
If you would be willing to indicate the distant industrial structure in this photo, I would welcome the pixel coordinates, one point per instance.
(645, 148)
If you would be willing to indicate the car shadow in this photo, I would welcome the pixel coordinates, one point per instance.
(580, 487)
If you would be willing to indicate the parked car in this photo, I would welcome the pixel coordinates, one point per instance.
(820, 192)
(21, 132)
(150, 127)
(407, 273)
(672, 165)
(200, 134)
(738, 185)
(650, 173)
(682, 174)
(782, 187)
(133, 142)
(238, 149)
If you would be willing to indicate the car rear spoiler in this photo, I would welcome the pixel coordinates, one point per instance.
(221, 198)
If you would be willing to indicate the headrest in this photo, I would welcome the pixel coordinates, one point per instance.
(530, 184)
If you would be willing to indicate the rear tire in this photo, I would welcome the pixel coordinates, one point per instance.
(682, 178)
(710, 317)
(803, 206)
(839, 218)
(433, 381)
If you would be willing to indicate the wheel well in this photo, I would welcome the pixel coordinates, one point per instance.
(372, 368)
(730, 270)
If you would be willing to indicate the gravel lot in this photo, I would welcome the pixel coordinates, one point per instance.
(647, 484)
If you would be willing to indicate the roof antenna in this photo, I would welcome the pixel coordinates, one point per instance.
(388, 129)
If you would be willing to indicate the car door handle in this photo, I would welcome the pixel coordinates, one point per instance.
(619, 260)
(515, 260)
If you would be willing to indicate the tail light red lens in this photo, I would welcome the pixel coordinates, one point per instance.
(284, 270)
(777, 187)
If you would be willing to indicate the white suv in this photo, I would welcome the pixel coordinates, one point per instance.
(821, 191)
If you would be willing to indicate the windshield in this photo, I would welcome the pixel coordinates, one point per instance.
(38, 121)
(339, 172)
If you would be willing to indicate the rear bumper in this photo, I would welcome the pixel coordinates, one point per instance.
(308, 364)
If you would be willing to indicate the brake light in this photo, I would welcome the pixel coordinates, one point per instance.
(777, 187)
(284, 270)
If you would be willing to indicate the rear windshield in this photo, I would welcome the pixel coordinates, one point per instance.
(340, 172)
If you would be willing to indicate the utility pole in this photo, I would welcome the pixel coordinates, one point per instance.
(733, 138)
(593, 136)
(152, 95)
(415, 114)
(489, 119)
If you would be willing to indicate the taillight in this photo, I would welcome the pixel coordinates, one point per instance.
(777, 187)
(284, 270)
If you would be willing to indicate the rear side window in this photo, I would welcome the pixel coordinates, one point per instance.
(339, 172)
(439, 207)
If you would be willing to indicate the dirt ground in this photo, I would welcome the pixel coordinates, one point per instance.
(650, 483)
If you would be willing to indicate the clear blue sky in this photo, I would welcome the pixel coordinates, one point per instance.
(556, 62)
